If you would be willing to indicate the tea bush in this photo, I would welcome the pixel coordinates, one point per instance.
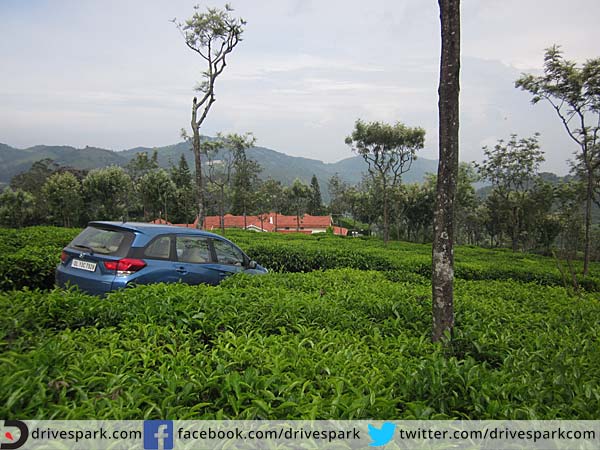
(30, 255)
(343, 344)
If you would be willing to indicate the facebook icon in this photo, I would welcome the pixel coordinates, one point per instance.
(158, 434)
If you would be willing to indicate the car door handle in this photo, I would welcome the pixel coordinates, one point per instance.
(223, 274)
(181, 269)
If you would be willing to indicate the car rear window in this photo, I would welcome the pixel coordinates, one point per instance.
(103, 241)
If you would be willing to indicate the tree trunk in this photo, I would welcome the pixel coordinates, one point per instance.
(222, 209)
(198, 167)
(514, 232)
(588, 220)
(386, 225)
(443, 223)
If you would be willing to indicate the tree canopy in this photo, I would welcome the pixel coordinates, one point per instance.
(574, 94)
(389, 151)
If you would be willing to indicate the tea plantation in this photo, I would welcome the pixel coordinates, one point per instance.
(339, 330)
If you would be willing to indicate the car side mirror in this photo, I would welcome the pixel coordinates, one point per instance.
(252, 265)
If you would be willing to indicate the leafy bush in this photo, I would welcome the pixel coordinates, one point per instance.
(342, 344)
(30, 255)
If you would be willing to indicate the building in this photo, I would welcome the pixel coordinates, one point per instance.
(271, 222)
(274, 222)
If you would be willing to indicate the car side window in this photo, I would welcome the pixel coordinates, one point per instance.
(193, 249)
(227, 253)
(159, 248)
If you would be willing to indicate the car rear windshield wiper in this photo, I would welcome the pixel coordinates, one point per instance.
(85, 247)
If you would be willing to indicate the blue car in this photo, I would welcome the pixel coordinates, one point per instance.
(107, 256)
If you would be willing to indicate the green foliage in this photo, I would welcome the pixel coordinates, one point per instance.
(298, 197)
(574, 95)
(245, 175)
(315, 202)
(157, 191)
(340, 344)
(212, 35)
(389, 151)
(181, 210)
(17, 208)
(62, 195)
(512, 168)
(33, 179)
(270, 196)
(30, 255)
(107, 193)
(350, 342)
(141, 164)
(298, 253)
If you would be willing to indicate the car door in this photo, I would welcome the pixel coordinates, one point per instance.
(194, 261)
(160, 266)
(230, 259)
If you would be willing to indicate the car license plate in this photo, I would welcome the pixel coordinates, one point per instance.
(84, 265)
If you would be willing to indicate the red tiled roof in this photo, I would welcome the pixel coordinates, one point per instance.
(285, 224)
(269, 221)
(160, 222)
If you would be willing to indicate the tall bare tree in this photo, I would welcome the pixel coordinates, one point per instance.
(443, 220)
(212, 35)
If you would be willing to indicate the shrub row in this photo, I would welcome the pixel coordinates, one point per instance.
(293, 257)
(341, 344)
(29, 257)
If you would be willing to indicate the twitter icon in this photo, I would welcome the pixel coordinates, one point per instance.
(381, 436)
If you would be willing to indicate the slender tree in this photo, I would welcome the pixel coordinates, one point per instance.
(315, 203)
(212, 35)
(157, 191)
(574, 93)
(298, 196)
(141, 164)
(337, 195)
(389, 151)
(245, 177)
(218, 170)
(512, 167)
(443, 220)
(183, 210)
(271, 198)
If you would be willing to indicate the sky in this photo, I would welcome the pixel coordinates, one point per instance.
(117, 74)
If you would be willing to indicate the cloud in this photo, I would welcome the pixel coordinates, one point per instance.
(118, 74)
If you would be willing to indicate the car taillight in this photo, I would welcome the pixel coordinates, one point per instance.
(125, 266)
(63, 257)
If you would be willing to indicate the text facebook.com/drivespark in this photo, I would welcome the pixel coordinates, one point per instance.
(283, 433)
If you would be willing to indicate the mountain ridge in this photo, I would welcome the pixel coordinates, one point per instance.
(275, 164)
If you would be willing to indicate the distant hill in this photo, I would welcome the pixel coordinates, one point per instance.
(14, 161)
(276, 165)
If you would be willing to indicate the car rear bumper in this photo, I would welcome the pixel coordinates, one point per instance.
(89, 282)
